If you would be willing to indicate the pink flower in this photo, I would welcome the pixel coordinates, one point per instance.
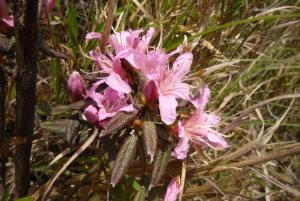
(168, 82)
(103, 62)
(108, 105)
(76, 86)
(173, 189)
(131, 39)
(115, 76)
(199, 127)
(112, 103)
(123, 42)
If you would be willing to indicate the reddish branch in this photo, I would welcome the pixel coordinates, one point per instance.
(26, 34)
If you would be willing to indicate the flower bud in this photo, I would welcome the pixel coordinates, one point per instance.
(173, 189)
(76, 87)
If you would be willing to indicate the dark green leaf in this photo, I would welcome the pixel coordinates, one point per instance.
(150, 138)
(5, 44)
(60, 109)
(140, 196)
(96, 197)
(63, 127)
(119, 121)
(28, 198)
(161, 161)
(124, 157)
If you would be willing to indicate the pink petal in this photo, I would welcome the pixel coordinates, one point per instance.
(167, 108)
(112, 96)
(125, 39)
(102, 61)
(127, 108)
(153, 65)
(91, 114)
(143, 45)
(8, 22)
(95, 96)
(202, 99)
(181, 90)
(179, 49)
(116, 82)
(205, 136)
(182, 66)
(181, 150)
(216, 140)
(103, 114)
(92, 35)
(173, 190)
(210, 119)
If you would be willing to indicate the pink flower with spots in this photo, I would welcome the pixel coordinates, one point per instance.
(108, 105)
(167, 85)
(131, 40)
(173, 189)
(198, 128)
(122, 42)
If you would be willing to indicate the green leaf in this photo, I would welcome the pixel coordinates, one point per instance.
(96, 197)
(72, 26)
(61, 109)
(141, 194)
(28, 198)
(124, 157)
(244, 21)
(119, 121)
(66, 127)
(161, 161)
(149, 137)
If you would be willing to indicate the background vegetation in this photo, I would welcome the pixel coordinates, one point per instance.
(248, 52)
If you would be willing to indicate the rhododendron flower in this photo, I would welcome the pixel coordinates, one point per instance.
(116, 77)
(122, 42)
(173, 189)
(168, 82)
(76, 86)
(108, 105)
(198, 128)
(131, 39)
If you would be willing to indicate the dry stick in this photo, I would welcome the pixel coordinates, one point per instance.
(2, 125)
(26, 34)
(274, 155)
(83, 147)
(108, 24)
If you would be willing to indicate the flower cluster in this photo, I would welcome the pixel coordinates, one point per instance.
(130, 61)
(163, 84)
